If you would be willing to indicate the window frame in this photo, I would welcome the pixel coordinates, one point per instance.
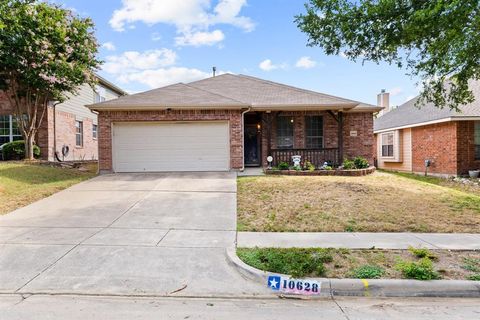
(476, 140)
(322, 131)
(94, 131)
(290, 120)
(392, 149)
(78, 133)
(10, 121)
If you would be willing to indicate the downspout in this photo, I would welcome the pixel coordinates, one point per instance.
(55, 155)
(243, 138)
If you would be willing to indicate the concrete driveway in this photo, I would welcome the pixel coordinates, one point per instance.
(127, 234)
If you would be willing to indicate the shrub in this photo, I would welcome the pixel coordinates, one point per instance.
(348, 164)
(309, 166)
(474, 277)
(283, 166)
(422, 253)
(297, 168)
(471, 264)
(16, 150)
(360, 163)
(421, 270)
(368, 272)
(292, 261)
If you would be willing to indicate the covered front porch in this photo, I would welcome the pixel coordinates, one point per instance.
(319, 137)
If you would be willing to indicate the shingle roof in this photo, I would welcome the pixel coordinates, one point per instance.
(235, 91)
(408, 115)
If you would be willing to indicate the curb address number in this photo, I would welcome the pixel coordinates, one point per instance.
(295, 286)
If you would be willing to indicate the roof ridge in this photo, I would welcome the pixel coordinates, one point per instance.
(296, 88)
(214, 93)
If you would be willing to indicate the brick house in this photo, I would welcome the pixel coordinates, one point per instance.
(408, 136)
(69, 125)
(229, 122)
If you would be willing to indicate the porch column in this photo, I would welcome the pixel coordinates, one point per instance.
(340, 137)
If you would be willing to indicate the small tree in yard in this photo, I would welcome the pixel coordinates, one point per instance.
(46, 53)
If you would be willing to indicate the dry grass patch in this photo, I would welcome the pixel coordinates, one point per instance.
(22, 183)
(381, 202)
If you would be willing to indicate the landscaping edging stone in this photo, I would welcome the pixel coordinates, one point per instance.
(336, 172)
(371, 287)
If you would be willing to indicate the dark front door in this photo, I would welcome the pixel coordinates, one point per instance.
(252, 145)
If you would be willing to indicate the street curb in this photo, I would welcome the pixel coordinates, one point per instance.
(372, 287)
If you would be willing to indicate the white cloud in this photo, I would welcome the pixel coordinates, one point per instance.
(197, 39)
(109, 46)
(305, 63)
(395, 91)
(132, 61)
(163, 76)
(188, 16)
(156, 36)
(268, 65)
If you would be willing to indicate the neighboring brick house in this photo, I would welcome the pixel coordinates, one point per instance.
(229, 122)
(408, 136)
(67, 125)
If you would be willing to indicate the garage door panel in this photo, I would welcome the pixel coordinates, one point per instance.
(190, 146)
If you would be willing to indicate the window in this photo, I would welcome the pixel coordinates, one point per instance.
(100, 94)
(477, 140)
(284, 132)
(387, 144)
(9, 130)
(94, 131)
(314, 132)
(79, 133)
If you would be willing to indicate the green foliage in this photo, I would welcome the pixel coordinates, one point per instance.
(297, 168)
(296, 262)
(283, 166)
(309, 166)
(368, 272)
(474, 277)
(348, 164)
(422, 253)
(420, 270)
(435, 40)
(16, 150)
(471, 264)
(46, 54)
(360, 163)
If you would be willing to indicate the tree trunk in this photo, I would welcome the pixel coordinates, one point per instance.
(29, 146)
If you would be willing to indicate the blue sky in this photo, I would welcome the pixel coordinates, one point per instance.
(151, 43)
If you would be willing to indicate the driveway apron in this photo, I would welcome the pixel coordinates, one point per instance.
(158, 234)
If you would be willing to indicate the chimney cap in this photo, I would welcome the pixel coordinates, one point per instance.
(383, 91)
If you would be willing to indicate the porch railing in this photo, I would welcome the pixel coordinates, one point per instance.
(316, 156)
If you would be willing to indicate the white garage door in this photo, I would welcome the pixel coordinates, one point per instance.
(184, 146)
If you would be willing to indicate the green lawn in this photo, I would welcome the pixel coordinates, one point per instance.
(420, 264)
(22, 183)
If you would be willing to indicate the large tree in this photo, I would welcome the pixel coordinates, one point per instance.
(46, 53)
(437, 41)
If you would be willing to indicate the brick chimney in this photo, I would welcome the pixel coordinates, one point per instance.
(383, 100)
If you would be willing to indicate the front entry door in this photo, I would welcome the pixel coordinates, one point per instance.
(252, 145)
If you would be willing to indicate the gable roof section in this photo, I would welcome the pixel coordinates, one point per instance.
(233, 91)
(408, 115)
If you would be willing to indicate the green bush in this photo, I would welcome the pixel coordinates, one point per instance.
(368, 272)
(348, 164)
(16, 150)
(296, 262)
(421, 270)
(283, 166)
(471, 264)
(422, 253)
(360, 163)
(474, 277)
(309, 166)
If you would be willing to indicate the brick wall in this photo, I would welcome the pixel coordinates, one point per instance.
(466, 147)
(106, 118)
(65, 136)
(361, 145)
(5, 107)
(438, 143)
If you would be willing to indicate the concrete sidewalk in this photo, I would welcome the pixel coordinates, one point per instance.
(357, 240)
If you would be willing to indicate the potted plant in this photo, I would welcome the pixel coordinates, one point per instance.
(473, 173)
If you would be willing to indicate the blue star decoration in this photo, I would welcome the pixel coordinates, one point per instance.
(274, 282)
